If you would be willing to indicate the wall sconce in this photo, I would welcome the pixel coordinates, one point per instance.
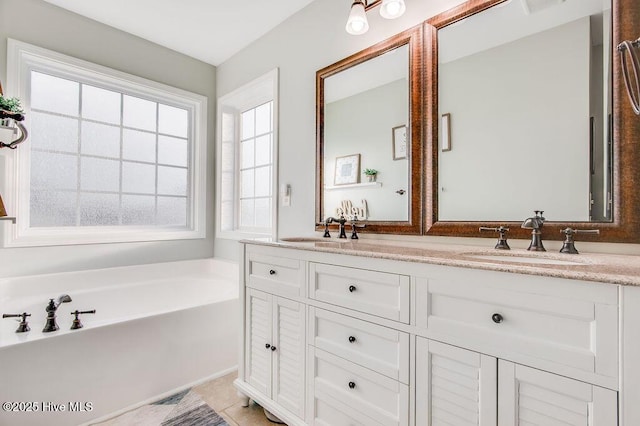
(357, 22)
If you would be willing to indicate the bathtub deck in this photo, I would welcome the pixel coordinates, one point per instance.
(219, 394)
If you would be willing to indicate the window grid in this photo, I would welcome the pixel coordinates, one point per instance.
(156, 194)
(253, 220)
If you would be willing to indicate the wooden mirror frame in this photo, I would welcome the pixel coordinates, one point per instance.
(412, 37)
(625, 226)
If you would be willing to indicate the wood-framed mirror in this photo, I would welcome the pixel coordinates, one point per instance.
(369, 115)
(617, 222)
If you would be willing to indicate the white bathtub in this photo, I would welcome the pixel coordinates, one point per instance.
(157, 329)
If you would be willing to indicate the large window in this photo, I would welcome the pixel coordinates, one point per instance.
(246, 160)
(110, 157)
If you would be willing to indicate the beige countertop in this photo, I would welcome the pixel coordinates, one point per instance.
(605, 268)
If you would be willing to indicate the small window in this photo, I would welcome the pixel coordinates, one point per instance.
(246, 160)
(110, 157)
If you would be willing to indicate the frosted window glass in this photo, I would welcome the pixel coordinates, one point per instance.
(100, 139)
(172, 181)
(263, 119)
(226, 216)
(139, 113)
(53, 132)
(263, 181)
(172, 151)
(140, 146)
(227, 186)
(138, 178)
(138, 210)
(248, 124)
(172, 211)
(99, 209)
(54, 171)
(173, 121)
(263, 150)
(228, 127)
(263, 212)
(100, 104)
(247, 213)
(247, 154)
(54, 94)
(97, 174)
(227, 160)
(246, 183)
(52, 208)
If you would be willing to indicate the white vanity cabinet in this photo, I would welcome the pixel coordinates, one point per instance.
(458, 386)
(363, 340)
(275, 343)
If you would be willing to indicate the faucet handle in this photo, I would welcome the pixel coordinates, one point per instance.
(568, 246)
(502, 238)
(76, 322)
(24, 325)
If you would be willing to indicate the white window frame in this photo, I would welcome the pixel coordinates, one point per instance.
(257, 92)
(22, 58)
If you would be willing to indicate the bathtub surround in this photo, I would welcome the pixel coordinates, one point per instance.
(158, 329)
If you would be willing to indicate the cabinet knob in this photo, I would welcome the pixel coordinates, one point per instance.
(497, 318)
(352, 288)
(273, 348)
(352, 339)
(352, 385)
(267, 346)
(272, 271)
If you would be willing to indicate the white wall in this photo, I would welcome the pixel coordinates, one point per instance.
(361, 124)
(45, 25)
(535, 154)
(310, 40)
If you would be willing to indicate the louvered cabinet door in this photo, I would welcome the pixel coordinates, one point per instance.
(258, 356)
(454, 386)
(529, 397)
(289, 356)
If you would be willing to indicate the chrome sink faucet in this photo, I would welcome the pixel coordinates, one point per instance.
(535, 224)
(51, 309)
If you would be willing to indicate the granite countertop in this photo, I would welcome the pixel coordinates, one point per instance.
(605, 268)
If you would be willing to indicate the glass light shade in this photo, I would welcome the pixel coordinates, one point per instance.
(357, 23)
(391, 9)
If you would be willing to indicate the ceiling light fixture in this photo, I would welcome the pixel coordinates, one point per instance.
(357, 22)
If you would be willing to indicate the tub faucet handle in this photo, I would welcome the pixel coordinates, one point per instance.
(76, 322)
(24, 325)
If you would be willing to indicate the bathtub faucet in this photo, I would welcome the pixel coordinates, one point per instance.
(51, 309)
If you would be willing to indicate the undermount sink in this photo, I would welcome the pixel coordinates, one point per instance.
(303, 239)
(515, 258)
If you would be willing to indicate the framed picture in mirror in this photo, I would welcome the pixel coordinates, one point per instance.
(347, 170)
(399, 135)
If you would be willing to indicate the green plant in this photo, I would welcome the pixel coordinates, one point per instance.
(11, 104)
(370, 172)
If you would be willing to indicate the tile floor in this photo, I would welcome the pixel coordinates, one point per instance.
(219, 394)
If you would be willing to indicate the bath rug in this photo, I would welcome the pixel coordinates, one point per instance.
(191, 410)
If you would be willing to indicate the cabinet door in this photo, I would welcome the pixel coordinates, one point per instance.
(454, 386)
(289, 356)
(528, 397)
(258, 335)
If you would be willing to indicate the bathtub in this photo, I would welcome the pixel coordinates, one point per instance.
(157, 330)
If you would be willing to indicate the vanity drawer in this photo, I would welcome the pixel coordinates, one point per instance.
(377, 293)
(542, 321)
(328, 412)
(373, 346)
(372, 397)
(274, 274)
